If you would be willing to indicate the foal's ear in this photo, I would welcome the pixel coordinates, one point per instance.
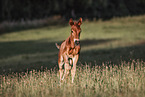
(80, 21)
(71, 22)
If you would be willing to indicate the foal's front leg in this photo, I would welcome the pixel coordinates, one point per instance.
(66, 66)
(73, 70)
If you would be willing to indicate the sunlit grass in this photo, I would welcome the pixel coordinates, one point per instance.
(124, 80)
(131, 28)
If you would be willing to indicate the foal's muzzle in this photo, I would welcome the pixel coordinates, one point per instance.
(77, 41)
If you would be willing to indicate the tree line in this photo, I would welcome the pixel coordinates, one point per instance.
(35, 9)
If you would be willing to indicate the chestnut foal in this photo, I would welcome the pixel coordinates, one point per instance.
(69, 51)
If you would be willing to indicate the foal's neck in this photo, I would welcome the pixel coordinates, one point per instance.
(72, 42)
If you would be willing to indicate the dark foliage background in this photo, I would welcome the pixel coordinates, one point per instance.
(34, 9)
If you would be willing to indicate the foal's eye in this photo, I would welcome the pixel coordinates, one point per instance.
(71, 31)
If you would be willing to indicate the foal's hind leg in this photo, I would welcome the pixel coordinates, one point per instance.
(60, 62)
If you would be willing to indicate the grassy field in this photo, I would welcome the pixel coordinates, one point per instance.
(126, 80)
(28, 60)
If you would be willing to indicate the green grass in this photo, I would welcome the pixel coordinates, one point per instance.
(115, 40)
(118, 43)
(125, 80)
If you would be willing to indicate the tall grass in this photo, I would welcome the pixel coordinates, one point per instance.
(126, 79)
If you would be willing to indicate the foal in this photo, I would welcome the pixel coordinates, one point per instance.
(69, 51)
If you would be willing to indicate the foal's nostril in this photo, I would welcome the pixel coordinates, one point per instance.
(77, 42)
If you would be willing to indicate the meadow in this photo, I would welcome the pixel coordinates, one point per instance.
(111, 63)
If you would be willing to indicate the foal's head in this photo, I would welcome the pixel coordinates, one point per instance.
(75, 31)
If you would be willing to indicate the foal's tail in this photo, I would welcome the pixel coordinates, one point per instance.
(58, 46)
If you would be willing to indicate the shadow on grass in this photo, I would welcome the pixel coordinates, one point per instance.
(115, 55)
(9, 27)
(21, 56)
